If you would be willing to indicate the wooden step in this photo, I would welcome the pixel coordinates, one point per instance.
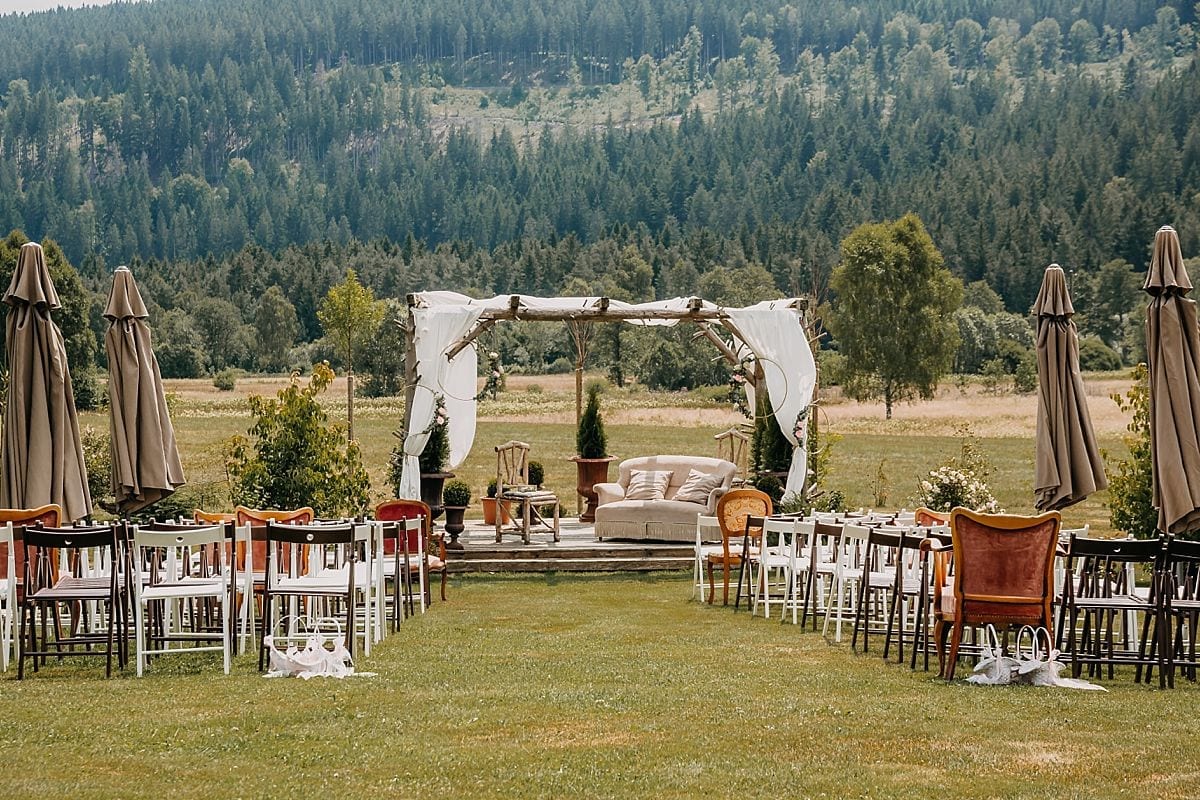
(589, 564)
(485, 553)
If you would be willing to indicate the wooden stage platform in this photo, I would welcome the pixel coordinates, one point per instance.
(576, 551)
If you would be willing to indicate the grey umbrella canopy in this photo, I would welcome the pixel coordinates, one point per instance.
(146, 464)
(1068, 467)
(42, 460)
(1173, 353)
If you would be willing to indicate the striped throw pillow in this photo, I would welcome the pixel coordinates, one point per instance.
(647, 485)
(697, 487)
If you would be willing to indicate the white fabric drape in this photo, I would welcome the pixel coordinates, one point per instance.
(773, 331)
(438, 327)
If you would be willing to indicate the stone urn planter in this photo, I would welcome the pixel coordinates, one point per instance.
(431, 490)
(590, 471)
(454, 525)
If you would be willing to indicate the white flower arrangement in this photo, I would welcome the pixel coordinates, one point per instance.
(948, 487)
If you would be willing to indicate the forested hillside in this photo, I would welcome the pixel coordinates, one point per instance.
(532, 145)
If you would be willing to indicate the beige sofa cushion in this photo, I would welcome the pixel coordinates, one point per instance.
(667, 511)
(647, 485)
(698, 487)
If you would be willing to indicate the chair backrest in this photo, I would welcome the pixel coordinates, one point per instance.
(512, 465)
(1104, 567)
(49, 515)
(926, 517)
(257, 519)
(395, 510)
(164, 552)
(1004, 566)
(212, 517)
(1181, 572)
(47, 548)
(289, 547)
(737, 504)
(732, 447)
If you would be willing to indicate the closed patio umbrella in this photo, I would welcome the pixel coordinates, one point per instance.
(146, 464)
(1173, 353)
(1068, 466)
(42, 460)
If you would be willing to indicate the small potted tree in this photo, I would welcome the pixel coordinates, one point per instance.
(492, 506)
(457, 496)
(593, 459)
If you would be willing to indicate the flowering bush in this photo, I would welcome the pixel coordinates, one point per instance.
(737, 387)
(948, 486)
(494, 382)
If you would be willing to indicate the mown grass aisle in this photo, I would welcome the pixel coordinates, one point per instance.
(606, 686)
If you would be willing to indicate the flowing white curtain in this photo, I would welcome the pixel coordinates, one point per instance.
(438, 327)
(772, 330)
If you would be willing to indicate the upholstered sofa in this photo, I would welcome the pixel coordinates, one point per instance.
(666, 519)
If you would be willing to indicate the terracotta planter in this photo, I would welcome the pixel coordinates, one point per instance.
(431, 490)
(590, 471)
(489, 511)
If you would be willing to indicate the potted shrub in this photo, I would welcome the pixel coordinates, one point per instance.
(593, 459)
(490, 505)
(457, 496)
(537, 473)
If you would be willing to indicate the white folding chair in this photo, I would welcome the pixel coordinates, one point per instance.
(847, 572)
(173, 564)
(799, 568)
(773, 565)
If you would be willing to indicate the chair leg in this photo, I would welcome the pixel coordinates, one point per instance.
(444, 583)
(939, 642)
(712, 589)
(21, 642)
(952, 658)
(266, 630)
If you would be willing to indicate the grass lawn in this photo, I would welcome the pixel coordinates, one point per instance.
(602, 686)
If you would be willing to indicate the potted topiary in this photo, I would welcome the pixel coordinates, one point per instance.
(593, 459)
(457, 496)
(490, 505)
(537, 473)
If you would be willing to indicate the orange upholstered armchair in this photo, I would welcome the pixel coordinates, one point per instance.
(1004, 575)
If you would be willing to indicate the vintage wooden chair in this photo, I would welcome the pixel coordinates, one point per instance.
(1004, 575)
(49, 516)
(733, 510)
(512, 484)
(426, 552)
(733, 446)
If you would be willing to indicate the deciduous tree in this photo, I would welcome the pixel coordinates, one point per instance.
(350, 316)
(892, 311)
